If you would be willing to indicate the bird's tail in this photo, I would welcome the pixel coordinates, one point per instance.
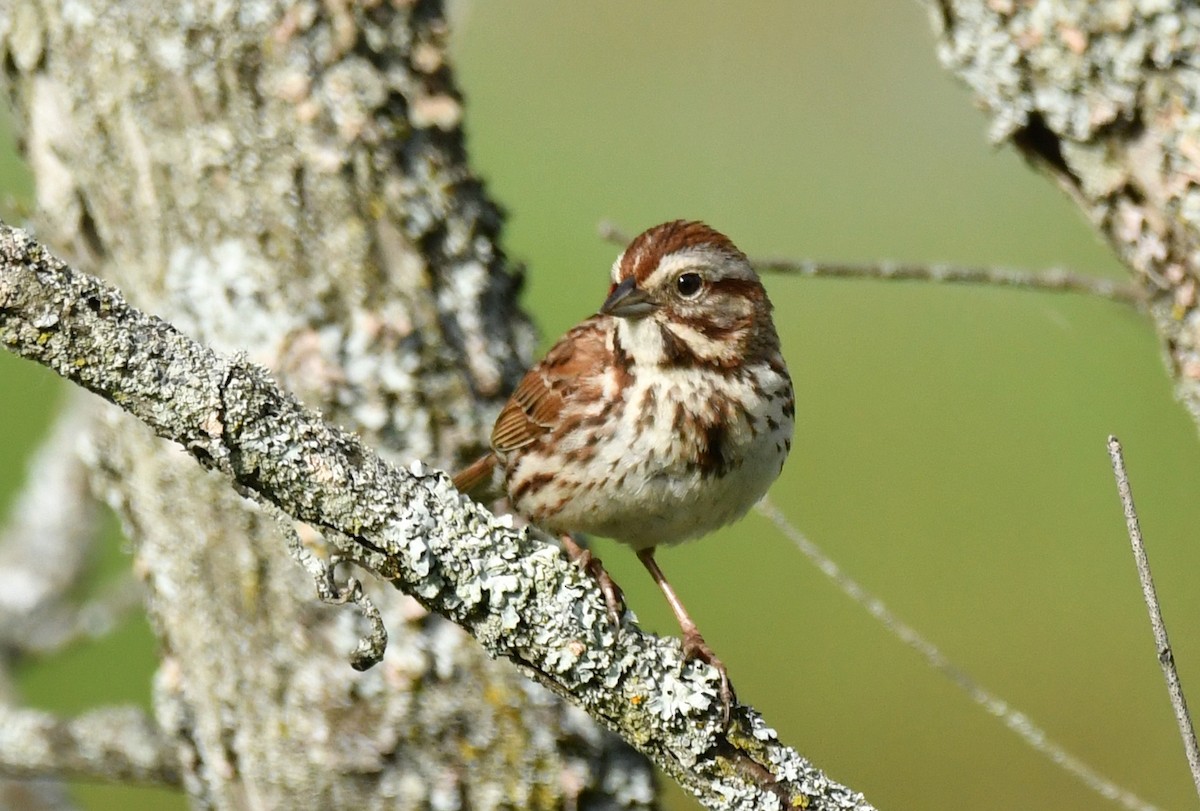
(476, 474)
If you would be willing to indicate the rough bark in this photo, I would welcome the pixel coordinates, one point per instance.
(1103, 95)
(288, 180)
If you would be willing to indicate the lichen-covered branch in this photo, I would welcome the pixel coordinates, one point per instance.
(1103, 95)
(45, 794)
(518, 596)
(117, 744)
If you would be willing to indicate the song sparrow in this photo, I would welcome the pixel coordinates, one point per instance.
(662, 418)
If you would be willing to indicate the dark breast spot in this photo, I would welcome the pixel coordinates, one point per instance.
(711, 459)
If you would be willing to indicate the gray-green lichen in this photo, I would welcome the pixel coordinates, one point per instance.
(1080, 65)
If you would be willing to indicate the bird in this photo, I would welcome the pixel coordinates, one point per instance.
(664, 416)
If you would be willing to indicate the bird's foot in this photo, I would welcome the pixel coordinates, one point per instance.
(694, 647)
(614, 598)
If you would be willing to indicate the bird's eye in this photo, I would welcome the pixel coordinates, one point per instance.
(689, 284)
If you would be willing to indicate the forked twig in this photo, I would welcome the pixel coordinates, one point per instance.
(1017, 721)
(323, 570)
(1054, 280)
(1165, 657)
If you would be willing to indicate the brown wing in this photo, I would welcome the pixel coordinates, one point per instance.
(537, 404)
(529, 413)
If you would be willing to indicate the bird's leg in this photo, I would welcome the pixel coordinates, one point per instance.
(614, 599)
(694, 646)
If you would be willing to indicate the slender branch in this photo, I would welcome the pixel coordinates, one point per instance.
(1029, 732)
(517, 596)
(1054, 280)
(114, 744)
(1165, 657)
(46, 794)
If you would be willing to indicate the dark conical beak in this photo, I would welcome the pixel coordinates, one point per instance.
(627, 301)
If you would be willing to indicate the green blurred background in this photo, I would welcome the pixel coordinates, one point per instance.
(950, 449)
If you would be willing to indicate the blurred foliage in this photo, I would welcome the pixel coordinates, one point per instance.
(950, 449)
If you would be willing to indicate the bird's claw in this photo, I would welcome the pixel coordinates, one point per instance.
(694, 647)
(614, 598)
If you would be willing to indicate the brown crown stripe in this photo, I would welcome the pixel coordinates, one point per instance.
(648, 248)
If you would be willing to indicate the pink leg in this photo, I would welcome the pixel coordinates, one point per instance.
(694, 646)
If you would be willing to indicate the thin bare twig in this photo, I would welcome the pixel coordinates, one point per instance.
(1024, 727)
(1165, 657)
(1054, 280)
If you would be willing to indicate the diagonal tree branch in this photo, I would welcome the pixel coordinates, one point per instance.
(1020, 724)
(517, 596)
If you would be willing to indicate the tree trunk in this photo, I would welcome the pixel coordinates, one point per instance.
(1102, 96)
(288, 180)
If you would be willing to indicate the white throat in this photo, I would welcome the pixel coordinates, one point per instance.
(642, 340)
